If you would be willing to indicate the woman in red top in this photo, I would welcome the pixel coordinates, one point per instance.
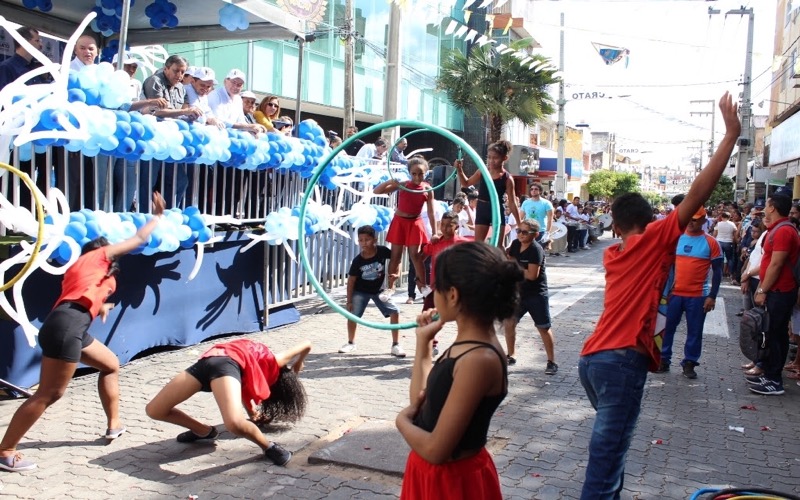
(407, 228)
(65, 340)
(239, 372)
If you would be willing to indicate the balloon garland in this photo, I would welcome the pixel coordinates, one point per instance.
(494, 200)
(40, 232)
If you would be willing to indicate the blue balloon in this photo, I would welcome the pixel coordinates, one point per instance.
(75, 230)
(76, 95)
(29, 4)
(204, 235)
(93, 229)
(172, 21)
(63, 252)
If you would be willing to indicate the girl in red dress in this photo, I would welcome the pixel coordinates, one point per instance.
(65, 340)
(452, 402)
(407, 229)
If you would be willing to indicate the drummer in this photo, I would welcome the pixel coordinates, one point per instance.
(541, 210)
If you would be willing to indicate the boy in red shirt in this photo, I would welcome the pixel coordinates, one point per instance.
(623, 348)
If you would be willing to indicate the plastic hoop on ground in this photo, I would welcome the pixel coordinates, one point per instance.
(39, 233)
(399, 184)
(301, 246)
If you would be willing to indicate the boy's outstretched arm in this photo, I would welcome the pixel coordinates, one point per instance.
(707, 179)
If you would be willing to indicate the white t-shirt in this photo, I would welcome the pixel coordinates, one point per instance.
(725, 230)
(463, 220)
(754, 261)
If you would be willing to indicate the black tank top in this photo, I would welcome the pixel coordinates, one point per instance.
(440, 380)
(499, 186)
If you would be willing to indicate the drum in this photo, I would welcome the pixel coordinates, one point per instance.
(595, 231)
(606, 221)
(558, 231)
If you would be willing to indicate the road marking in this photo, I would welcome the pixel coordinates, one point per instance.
(587, 281)
(717, 321)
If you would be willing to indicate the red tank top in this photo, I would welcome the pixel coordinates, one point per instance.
(412, 203)
(85, 282)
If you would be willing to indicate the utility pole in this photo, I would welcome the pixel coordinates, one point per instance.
(349, 67)
(745, 141)
(713, 114)
(392, 84)
(561, 174)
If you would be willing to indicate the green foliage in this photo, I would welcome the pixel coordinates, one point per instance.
(723, 191)
(654, 198)
(606, 184)
(498, 87)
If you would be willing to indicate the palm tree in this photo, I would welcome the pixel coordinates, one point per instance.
(499, 87)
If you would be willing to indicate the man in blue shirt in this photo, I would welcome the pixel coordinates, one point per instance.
(21, 62)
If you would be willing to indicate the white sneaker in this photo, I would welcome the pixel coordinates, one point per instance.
(386, 295)
(398, 352)
(348, 347)
(425, 290)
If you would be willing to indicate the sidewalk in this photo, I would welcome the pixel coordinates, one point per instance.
(539, 436)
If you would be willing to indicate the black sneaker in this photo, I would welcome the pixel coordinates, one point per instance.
(191, 437)
(277, 454)
(756, 380)
(768, 388)
(663, 367)
(511, 360)
(551, 369)
(688, 370)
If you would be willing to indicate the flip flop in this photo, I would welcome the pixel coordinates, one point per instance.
(792, 368)
(112, 434)
(793, 375)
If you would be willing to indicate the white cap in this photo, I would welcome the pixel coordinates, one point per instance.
(190, 71)
(129, 59)
(236, 73)
(205, 74)
(248, 95)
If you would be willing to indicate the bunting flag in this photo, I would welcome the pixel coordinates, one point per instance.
(460, 31)
(508, 25)
(490, 19)
(467, 15)
(471, 35)
(611, 54)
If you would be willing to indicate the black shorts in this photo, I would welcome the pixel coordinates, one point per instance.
(208, 369)
(483, 215)
(65, 332)
(538, 306)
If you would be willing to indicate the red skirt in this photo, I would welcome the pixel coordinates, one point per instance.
(407, 232)
(470, 478)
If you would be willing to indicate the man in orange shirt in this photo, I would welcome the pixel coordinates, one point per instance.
(698, 273)
(617, 356)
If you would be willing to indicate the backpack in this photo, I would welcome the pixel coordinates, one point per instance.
(796, 267)
(752, 333)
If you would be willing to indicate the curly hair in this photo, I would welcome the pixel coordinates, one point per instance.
(287, 399)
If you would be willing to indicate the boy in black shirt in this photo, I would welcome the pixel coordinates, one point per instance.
(532, 291)
(365, 283)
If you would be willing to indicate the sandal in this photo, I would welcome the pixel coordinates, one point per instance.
(791, 367)
(112, 434)
(793, 375)
(755, 371)
(748, 366)
(409, 300)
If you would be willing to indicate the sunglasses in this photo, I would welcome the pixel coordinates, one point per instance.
(272, 105)
(522, 231)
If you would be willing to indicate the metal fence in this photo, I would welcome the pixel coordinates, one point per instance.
(113, 184)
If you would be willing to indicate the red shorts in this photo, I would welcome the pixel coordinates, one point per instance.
(407, 232)
(473, 477)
